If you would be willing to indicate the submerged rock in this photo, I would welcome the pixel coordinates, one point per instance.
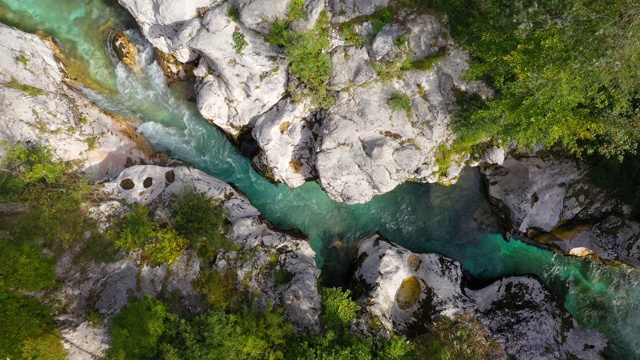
(125, 49)
(37, 107)
(405, 292)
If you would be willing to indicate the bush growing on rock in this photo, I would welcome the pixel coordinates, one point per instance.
(308, 53)
(202, 221)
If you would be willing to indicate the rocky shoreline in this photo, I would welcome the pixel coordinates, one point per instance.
(358, 148)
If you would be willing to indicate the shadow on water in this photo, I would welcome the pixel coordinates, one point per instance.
(454, 221)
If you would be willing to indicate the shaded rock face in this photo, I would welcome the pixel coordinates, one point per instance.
(359, 147)
(404, 292)
(36, 106)
(552, 201)
(345, 10)
(530, 323)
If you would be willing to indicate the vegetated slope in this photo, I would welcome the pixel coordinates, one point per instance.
(563, 71)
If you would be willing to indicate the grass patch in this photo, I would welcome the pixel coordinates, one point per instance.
(138, 231)
(23, 59)
(399, 101)
(233, 13)
(202, 221)
(29, 90)
(430, 61)
(92, 141)
(283, 277)
(350, 36)
(460, 338)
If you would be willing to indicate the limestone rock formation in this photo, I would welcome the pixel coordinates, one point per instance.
(529, 323)
(281, 270)
(361, 146)
(37, 107)
(406, 291)
(282, 267)
(552, 201)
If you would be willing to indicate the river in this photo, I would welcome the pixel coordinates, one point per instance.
(452, 221)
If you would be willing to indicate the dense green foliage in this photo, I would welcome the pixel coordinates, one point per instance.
(199, 222)
(146, 329)
(138, 231)
(202, 221)
(136, 330)
(26, 272)
(308, 54)
(563, 71)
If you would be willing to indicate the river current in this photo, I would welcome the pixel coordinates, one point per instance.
(452, 221)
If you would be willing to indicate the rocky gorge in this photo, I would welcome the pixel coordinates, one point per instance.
(357, 148)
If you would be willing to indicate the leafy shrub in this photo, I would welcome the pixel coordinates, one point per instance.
(220, 289)
(350, 36)
(138, 231)
(28, 328)
(31, 164)
(380, 19)
(338, 308)
(310, 63)
(560, 73)
(167, 247)
(429, 62)
(462, 338)
(202, 221)
(135, 229)
(135, 331)
(399, 101)
(233, 13)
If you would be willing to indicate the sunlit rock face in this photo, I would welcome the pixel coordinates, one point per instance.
(38, 108)
(361, 146)
(552, 201)
(405, 292)
(282, 267)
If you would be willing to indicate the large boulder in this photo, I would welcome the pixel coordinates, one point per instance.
(38, 107)
(408, 290)
(405, 292)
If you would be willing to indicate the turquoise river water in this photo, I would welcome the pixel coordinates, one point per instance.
(421, 217)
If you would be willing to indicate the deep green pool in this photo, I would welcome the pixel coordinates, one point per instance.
(423, 218)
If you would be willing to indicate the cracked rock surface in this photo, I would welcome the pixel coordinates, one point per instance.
(38, 107)
(355, 149)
